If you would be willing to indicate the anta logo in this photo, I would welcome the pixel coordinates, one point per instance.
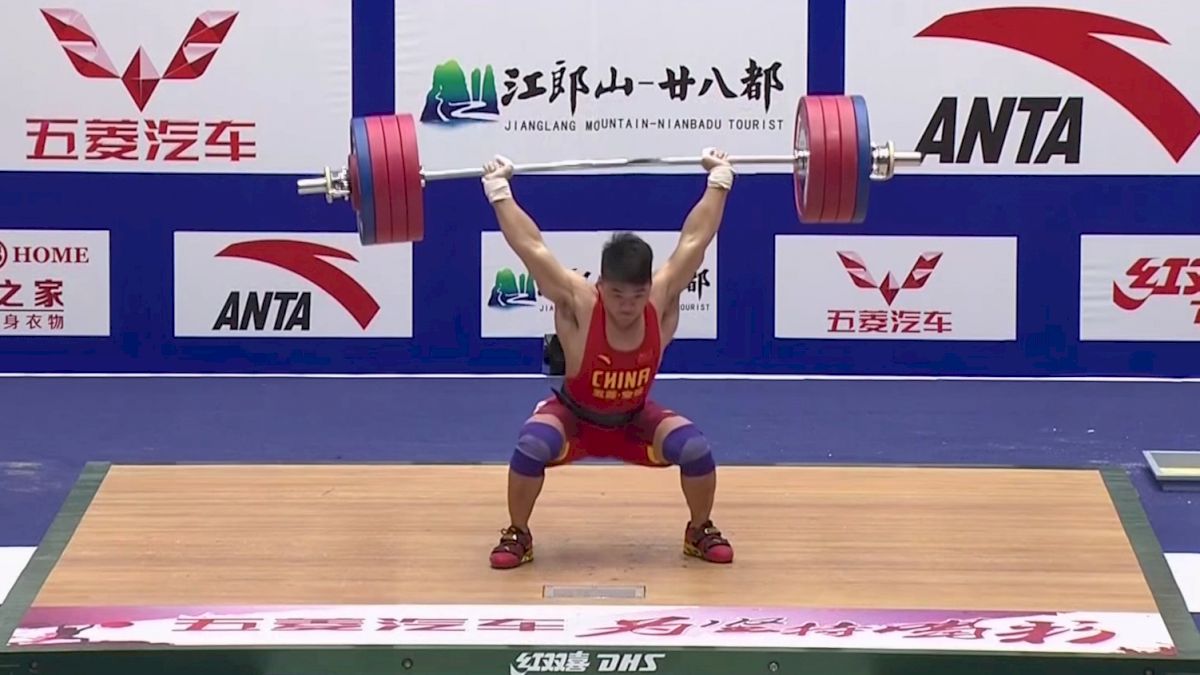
(1087, 45)
(644, 357)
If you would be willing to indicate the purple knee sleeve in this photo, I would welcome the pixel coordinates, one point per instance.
(688, 447)
(537, 445)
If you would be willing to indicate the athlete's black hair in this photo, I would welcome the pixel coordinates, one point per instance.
(626, 258)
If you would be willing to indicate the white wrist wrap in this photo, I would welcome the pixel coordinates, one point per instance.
(721, 176)
(496, 189)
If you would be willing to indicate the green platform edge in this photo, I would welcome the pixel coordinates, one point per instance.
(50, 550)
(457, 660)
(1160, 579)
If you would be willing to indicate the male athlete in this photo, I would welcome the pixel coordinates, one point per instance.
(613, 335)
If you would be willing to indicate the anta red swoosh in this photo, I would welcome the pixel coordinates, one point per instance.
(1067, 38)
(305, 259)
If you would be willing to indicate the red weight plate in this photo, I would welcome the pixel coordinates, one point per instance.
(799, 174)
(818, 144)
(396, 189)
(800, 144)
(412, 178)
(379, 171)
(849, 175)
(352, 166)
(810, 137)
(833, 159)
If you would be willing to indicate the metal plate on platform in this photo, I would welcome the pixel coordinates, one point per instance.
(592, 592)
(1174, 465)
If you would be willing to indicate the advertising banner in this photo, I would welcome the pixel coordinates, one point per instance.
(54, 283)
(1043, 87)
(546, 81)
(230, 284)
(244, 86)
(1139, 287)
(512, 305)
(896, 288)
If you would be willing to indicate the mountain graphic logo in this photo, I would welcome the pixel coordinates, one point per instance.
(451, 101)
(511, 290)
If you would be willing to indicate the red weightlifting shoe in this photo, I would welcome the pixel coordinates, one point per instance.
(515, 548)
(705, 542)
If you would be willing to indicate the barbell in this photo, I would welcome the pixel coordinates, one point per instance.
(832, 156)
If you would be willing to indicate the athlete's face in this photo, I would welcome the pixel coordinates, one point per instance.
(623, 302)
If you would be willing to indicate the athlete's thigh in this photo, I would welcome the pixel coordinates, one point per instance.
(630, 450)
(636, 443)
(551, 411)
(654, 422)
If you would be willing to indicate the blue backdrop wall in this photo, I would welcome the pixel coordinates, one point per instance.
(1047, 214)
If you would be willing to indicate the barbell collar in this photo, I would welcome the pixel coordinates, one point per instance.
(312, 186)
(334, 185)
(320, 186)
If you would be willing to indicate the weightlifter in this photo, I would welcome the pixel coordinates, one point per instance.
(613, 335)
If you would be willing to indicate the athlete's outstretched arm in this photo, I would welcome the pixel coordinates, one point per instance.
(700, 226)
(555, 281)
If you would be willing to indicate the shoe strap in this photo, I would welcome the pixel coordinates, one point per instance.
(707, 535)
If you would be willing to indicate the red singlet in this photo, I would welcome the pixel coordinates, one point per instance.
(611, 381)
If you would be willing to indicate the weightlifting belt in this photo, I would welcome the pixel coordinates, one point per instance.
(607, 420)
